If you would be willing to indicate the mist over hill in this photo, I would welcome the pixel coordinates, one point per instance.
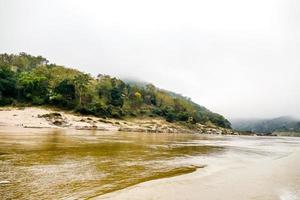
(279, 124)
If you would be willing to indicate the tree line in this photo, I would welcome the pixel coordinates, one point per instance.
(32, 80)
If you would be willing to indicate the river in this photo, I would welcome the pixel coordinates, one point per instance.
(72, 164)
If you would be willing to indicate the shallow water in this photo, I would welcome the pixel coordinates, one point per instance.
(70, 164)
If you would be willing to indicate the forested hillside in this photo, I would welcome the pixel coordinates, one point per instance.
(32, 80)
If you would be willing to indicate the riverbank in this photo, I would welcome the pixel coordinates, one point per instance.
(40, 117)
(269, 179)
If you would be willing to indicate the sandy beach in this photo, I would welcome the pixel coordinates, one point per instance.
(35, 117)
(43, 117)
(270, 179)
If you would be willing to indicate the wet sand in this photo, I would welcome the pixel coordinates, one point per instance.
(266, 179)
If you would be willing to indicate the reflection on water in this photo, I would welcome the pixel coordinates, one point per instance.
(45, 164)
(61, 164)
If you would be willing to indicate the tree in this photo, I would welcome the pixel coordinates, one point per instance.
(137, 100)
(116, 97)
(81, 81)
(116, 93)
(33, 88)
(64, 94)
(149, 95)
(104, 88)
(7, 84)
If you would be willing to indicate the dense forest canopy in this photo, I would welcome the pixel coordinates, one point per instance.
(32, 80)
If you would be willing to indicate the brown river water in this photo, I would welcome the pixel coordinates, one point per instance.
(70, 164)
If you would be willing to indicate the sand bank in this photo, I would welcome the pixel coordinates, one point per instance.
(35, 117)
(40, 117)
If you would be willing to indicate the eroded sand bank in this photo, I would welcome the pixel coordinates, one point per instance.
(41, 117)
(34, 117)
(268, 179)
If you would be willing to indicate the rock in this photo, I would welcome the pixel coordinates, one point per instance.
(28, 126)
(105, 121)
(51, 115)
(57, 123)
(55, 119)
(132, 129)
(91, 128)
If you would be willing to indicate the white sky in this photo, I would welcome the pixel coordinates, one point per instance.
(238, 58)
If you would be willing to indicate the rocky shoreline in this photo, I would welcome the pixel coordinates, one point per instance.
(37, 117)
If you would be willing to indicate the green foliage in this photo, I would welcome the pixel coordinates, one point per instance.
(64, 94)
(81, 82)
(33, 88)
(31, 79)
(7, 85)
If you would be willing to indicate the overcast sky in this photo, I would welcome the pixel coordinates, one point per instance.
(236, 57)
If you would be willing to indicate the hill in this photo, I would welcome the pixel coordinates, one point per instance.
(32, 80)
(280, 124)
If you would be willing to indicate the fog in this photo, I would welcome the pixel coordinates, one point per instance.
(237, 58)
